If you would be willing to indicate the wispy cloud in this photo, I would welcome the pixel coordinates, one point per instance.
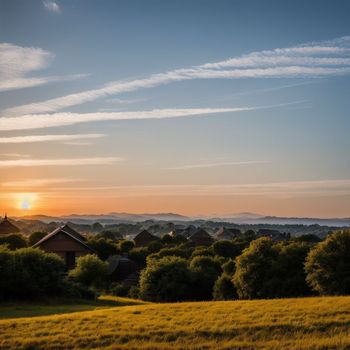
(310, 60)
(21, 83)
(45, 138)
(17, 62)
(52, 6)
(37, 121)
(215, 165)
(314, 188)
(31, 183)
(14, 155)
(58, 162)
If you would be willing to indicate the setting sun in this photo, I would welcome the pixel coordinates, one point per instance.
(26, 201)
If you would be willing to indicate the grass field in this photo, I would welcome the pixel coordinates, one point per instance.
(310, 323)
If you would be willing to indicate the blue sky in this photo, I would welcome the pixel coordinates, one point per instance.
(273, 75)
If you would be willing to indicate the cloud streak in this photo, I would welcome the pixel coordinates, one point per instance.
(16, 62)
(46, 138)
(310, 60)
(37, 121)
(52, 6)
(216, 165)
(58, 162)
(317, 188)
(30, 183)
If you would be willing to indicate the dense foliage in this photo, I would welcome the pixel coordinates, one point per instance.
(90, 271)
(30, 273)
(328, 265)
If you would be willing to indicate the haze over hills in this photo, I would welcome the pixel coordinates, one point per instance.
(239, 218)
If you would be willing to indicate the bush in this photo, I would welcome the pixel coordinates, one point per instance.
(34, 273)
(118, 290)
(224, 288)
(35, 237)
(254, 270)
(201, 251)
(328, 265)
(205, 271)
(268, 270)
(176, 251)
(227, 249)
(229, 267)
(166, 280)
(13, 241)
(90, 271)
(139, 255)
(103, 247)
(134, 292)
(126, 246)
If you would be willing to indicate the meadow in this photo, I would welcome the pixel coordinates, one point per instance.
(303, 323)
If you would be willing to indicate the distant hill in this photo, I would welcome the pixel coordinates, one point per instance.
(109, 218)
(239, 219)
(250, 218)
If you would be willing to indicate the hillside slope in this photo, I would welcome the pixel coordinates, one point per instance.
(312, 323)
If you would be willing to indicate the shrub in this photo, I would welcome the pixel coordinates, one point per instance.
(254, 270)
(35, 237)
(166, 280)
(224, 288)
(268, 270)
(125, 246)
(229, 267)
(201, 251)
(13, 241)
(227, 249)
(103, 247)
(328, 265)
(90, 271)
(36, 273)
(205, 271)
(118, 289)
(176, 251)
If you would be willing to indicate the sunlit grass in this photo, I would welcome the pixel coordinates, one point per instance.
(309, 323)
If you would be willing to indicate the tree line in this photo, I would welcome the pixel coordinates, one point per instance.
(172, 269)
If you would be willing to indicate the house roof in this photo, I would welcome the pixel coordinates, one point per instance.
(201, 233)
(145, 236)
(65, 229)
(227, 233)
(7, 227)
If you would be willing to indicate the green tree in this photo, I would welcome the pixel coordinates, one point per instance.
(36, 273)
(14, 241)
(227, 249)
(328, 265)
(35, 237)
(125, 246)
(270, 270)
(103, 247)
(166, 280)
(254, 270)
(205, 271)
(90, 271)
(224, 288)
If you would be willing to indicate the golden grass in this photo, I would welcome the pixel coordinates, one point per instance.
(61, 306)
(305, 323)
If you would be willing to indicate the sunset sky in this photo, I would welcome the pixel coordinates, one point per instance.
(189, 106)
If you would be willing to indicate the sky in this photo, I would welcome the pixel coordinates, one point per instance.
(194, 107)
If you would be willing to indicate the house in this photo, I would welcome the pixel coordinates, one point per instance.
(274, 235)
(6, 227)
(227, 233)
(123, 270)
(144, 238)
(201, 237)
(65, 242)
